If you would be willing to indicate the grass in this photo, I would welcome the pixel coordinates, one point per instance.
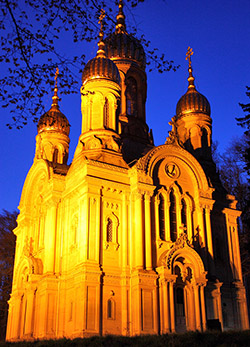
(189, 339)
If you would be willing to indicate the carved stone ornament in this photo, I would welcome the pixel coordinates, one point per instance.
(28, 247)
(172, 170)
(181, 242)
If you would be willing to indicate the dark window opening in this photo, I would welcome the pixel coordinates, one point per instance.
(172, 212)
(162, 217)
(109, 230)
(184, 214)
(131, 96)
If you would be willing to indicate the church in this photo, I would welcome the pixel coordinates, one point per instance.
(129, 238)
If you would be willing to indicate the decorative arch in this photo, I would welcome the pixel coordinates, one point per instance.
(150, 163)
(169, 213)
(109, 113)
(97, 104)
(29, 265)
(185, 257)
(40, 171)
(208, 134)
(58, 153)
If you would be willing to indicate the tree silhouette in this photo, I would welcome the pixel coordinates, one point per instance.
(38, 36)
(7, 253)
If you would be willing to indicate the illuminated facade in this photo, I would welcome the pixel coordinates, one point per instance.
(129, 238)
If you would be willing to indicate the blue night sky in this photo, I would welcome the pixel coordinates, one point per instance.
(219, 33)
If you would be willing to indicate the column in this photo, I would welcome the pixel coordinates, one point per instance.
(189, 223)
(157, 228)
(148, 236)
(84, 227)
(202, 232)
(171, 300)
(125, 227)
(138, 223)
(209, 241)
(197, 307)
(166, 327)
(50, 236)
(219, 305)
(203, 308)
(237, 251)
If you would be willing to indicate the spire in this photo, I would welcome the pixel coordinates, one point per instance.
(190, 70)
(101, 44)
(55, 96)
(120, 20)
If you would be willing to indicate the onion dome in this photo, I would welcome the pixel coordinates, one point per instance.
(54, 120)
(192, 101)
(101, 66)
(120, 44)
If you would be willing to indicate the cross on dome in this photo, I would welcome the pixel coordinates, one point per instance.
(101, 44)
(188, 55)
(120, 18)
(55, 96)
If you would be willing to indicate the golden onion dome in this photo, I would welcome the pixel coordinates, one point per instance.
(101, 66)
(192, 101)
(54, 120)
(120, 44)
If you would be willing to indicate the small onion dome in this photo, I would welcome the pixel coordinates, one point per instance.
(101, 66)
(192, 100)
(54, 120)
(122, 45)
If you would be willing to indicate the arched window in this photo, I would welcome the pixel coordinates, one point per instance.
(110, 309)
(109, 230)
(131, 96)
(172, 215)
(184, 214)
(106, 113)
(204, 138)
(162, 217)
(55, 155)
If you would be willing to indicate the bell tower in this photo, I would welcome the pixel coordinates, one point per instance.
(129, 56)
(100, 100)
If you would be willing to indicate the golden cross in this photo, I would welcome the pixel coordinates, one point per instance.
(120, 4)
(188, 55)
(56, 76)
(102, 15)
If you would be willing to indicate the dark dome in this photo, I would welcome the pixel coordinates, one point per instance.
(101, 67)
(192, 101)
(53, 120)
(123, 45)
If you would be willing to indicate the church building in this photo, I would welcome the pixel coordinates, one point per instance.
(129, 238)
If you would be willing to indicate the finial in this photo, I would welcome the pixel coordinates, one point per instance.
(120, 20)
(101, 44)
(190, 70)
(188, 55)
(55, 96)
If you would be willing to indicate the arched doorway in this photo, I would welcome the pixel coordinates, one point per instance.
(182, 279)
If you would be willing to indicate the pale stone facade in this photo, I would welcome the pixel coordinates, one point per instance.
(130, 238)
